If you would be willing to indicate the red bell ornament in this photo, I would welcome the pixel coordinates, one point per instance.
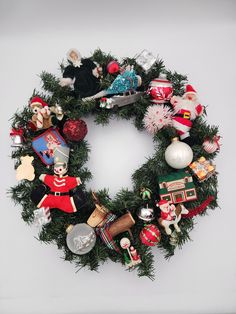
(160, 90)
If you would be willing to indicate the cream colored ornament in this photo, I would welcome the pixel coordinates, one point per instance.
(25, 170)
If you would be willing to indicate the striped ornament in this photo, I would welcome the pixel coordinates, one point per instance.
(210, 146)
(150, 235)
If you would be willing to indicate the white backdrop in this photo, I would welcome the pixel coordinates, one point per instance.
(196, 38)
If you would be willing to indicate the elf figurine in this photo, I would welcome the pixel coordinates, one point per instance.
(59, 184)
(186, 109)
(83, 74)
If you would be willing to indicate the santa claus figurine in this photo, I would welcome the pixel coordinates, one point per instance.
(186, 109)
(167, 210)
(60, 186)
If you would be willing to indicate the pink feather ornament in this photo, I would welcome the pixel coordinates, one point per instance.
(157, 117)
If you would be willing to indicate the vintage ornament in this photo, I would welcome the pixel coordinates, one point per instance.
(150, 235)
(75, 130)
(99, 213)
(80, 239)
(113, 67)
(203, 169)
(146, 214)
(42, 216)
(160, 90)
(178, 155)
(45, 144)
(186, 108)
(170, 215)
(41, 118)
(177, 187)
(112, 226)
(145, 193)
(60, 185)
(146, 60)
(25, 170)
(211, 146)
(17, 137)
(133, 257)
(156, 118)
(117, 101)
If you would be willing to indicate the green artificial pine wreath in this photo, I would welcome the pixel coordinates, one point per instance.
(153, 203)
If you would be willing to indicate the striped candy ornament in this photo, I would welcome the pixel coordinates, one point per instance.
(150, 235)
(211, 146)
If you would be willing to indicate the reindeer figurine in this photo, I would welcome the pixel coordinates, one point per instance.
(170, 215)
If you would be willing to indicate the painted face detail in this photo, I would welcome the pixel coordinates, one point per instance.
(60, 169)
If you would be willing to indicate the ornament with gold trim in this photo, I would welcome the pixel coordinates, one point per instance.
(202, 168)
(150, 235)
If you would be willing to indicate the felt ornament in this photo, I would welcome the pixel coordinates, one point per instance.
(25, 170)
(170, 215)
(82, 74)
(185, 109)
(60, 185)
(157, 117)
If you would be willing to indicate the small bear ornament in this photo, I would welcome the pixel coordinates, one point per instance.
(25, 170)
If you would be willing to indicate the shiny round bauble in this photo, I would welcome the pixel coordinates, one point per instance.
(146, 214)
(80, 238)
(75, 130)
(160, 90)
(113, 67)
(150, 235)
(178, 154)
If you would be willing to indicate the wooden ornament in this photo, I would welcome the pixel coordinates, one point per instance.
(25, 170)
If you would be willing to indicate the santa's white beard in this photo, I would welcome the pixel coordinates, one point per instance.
(187, 105)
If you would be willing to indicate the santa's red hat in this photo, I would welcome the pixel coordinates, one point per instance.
(162, 202)
(189, 90)
(37, 101)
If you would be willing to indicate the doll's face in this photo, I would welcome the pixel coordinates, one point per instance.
(60, 169)
(74, 56)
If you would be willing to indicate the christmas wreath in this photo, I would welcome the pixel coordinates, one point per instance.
(177, 183)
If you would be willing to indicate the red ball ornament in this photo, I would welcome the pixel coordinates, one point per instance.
(113, 67)
(160, 90)
(75, 130)
(150, 235)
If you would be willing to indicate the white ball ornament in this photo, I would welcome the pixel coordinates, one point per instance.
(178, 154)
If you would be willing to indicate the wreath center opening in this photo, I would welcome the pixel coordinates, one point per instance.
(117, 150)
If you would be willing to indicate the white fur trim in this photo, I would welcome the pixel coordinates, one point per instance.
(73, 50)
(180, 127)
(65, 81)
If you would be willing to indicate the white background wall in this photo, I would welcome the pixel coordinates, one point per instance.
(196, 38)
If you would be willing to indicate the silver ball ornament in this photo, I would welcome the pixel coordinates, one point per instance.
(146, 214)
(178, 154)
